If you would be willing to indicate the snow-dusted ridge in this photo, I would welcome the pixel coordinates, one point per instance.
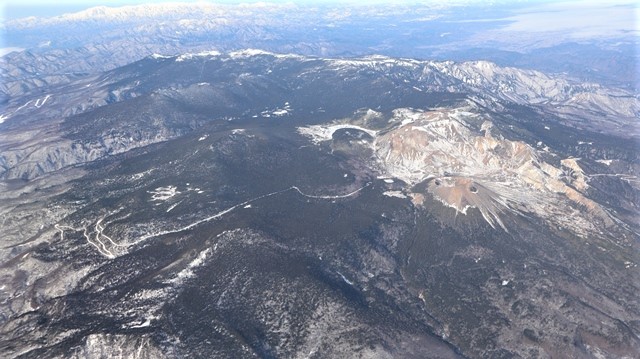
(558, 94)
(245, 53)
(373, 61)
(508, 83)
(144, 12)
(239, 54)
(189, 56)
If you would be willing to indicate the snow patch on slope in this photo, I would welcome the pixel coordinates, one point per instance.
(163, 193)
(322, 133)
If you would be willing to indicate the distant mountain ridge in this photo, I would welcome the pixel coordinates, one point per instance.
(103, 38)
